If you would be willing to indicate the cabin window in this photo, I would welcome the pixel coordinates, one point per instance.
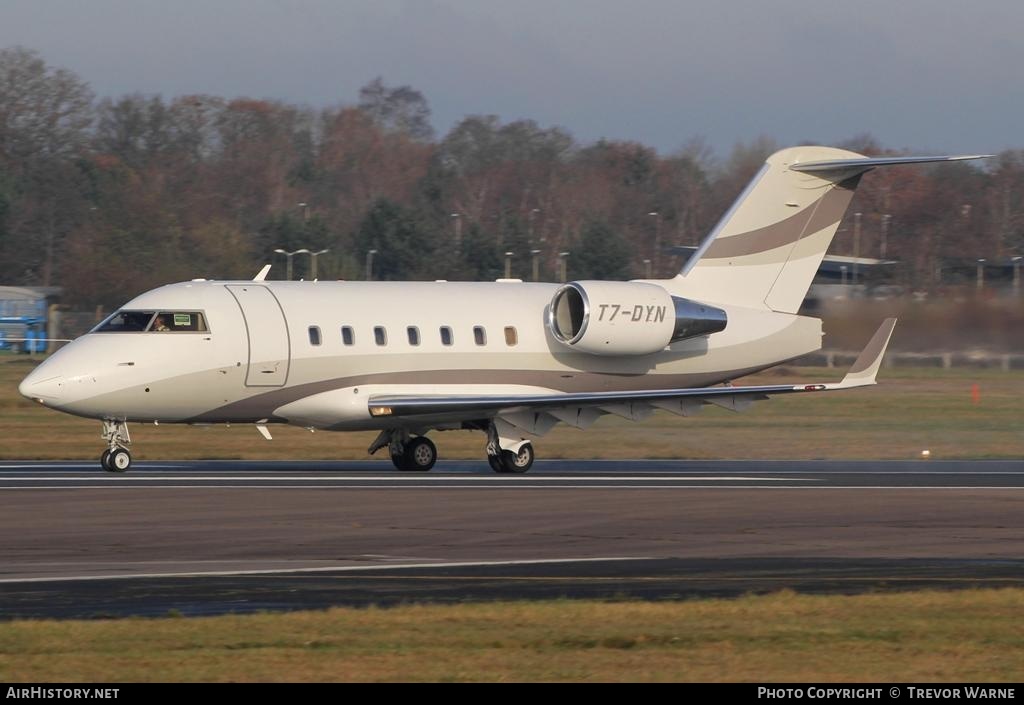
(414, 335)
(380, 335)
(178, 322)
(125, 322)
(314, 335)
(446, 336)
(511, 336)
(348, 337)
(479, 335)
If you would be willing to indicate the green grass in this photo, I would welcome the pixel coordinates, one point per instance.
(911, 410)
(922, 636)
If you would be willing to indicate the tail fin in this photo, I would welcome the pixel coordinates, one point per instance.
(767, 248)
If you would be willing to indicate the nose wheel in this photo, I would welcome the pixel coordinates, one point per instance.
(117, 460)
(116, 457)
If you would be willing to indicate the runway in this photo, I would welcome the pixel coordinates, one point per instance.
(549, 474)
(237, 536)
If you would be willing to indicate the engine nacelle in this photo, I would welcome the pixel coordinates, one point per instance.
(627, 318)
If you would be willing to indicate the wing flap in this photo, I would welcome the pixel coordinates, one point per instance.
(581, 417)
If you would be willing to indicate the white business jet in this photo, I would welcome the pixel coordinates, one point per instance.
(507, 358)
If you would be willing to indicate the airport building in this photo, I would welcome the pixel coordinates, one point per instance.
(25, 317)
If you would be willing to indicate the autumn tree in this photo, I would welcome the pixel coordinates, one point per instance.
(405, 248)
(402, 109)
(114, 197)
(44, 116)
(602, 254)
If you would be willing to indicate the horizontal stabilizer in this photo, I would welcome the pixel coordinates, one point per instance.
(866, 163)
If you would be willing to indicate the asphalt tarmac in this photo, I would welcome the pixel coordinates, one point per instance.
(225, 536)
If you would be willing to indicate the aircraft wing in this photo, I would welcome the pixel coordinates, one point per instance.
(567, 406)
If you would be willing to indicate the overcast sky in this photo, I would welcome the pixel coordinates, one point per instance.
(919, 74)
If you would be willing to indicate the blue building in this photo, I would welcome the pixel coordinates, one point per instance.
(23, 314)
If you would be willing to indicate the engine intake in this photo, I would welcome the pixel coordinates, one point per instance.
(627, 318)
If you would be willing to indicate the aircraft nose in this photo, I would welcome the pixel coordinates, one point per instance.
(42, 384)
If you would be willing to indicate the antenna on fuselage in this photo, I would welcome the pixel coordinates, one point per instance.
(262, 273)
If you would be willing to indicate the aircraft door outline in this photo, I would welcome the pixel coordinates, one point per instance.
(269, 342)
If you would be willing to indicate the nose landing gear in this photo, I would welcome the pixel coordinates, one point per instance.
(116, 458)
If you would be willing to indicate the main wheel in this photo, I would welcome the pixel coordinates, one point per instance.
(103, 460)
(518, 462)
(119, 460)
(420, 454)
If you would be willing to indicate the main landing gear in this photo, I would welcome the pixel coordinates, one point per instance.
(506, 455)
(116, 457)
(411, 453)
(419, 455)
(507, 461)
(408, 453)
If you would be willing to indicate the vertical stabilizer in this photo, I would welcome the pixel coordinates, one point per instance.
(767, 248)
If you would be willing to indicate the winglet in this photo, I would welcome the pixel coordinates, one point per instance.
(865, 368)
(262, 273)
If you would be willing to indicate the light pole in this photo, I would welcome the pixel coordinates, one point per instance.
(458, 229)
(535, 256)
(1016, 275)
(562, 265)
(369, 264)
(305, 211)
(530, 217)
(856, 245)
(883, 245)
(647, 269)
(981, 274)
(657, 236)
(289, 255)
(312, 262)
(508, 264)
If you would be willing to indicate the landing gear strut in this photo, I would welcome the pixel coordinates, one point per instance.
(116, 457)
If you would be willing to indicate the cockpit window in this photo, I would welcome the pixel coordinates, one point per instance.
(125, 322)
(178, 322)
(154, 322)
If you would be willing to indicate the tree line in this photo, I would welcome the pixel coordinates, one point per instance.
(107, 197)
